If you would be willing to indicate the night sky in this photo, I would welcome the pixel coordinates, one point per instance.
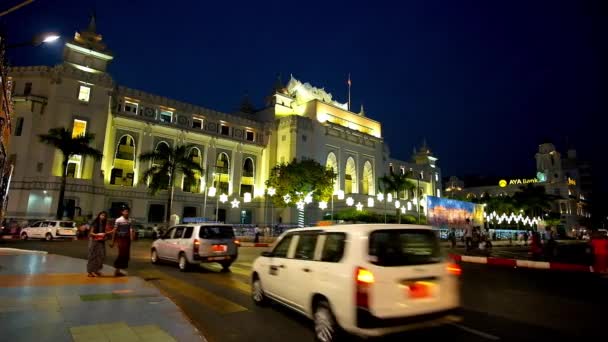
(483, 81)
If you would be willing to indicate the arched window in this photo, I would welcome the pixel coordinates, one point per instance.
(160, 146)
(367, 183)
(332, 163)
(123, 169)
(222, 173)
(247, 177)
(193, 185)
(350, 176)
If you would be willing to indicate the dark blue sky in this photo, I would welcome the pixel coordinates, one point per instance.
(483, 81)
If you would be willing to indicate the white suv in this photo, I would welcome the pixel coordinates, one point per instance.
(188, 244)
(367, 280)
(49, 230)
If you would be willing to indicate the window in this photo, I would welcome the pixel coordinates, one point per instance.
(131, 107)
(166, 116)
(39, 167)
(281, 250)
(403, 247)
(71, 171)
(66, 224)
(27, 90)
(189, 212)
(216, 232)
(19, 127)
(197, 123)
(333, 249)
(84, 93)
(156, 213)
(249, 136)
(390, 168)
(224, 130)
(79, 127)
(37, 224)
(179, 232)
(188, 232)
(283, 137)
(168, 234)
(306, 246)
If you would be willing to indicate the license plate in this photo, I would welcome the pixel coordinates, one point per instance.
(67, 232)
(219, 248)
(421, 289)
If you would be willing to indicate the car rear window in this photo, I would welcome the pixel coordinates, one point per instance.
(403, 247)
(66, 224)
(216, 232)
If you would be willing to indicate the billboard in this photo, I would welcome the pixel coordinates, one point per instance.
(449, 213)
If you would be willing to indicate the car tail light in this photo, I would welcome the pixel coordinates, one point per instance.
(197, 245)
(454, 269)
(363, 282)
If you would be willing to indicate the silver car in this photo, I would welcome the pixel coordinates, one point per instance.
(190, 244)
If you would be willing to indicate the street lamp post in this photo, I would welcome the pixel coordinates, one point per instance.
(37, 40)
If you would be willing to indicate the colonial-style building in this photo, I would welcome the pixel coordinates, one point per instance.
(236, 150)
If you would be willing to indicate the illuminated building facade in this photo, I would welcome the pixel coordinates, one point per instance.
(565, 178)
(236, 150)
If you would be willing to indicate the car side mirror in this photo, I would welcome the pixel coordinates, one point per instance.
(267, 254)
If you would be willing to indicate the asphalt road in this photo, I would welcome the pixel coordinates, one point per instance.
(500, 304)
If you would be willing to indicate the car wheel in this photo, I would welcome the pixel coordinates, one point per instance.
(154, 256)
(23, 236)
(226, 265)
(257, 292)
(182, 263)
(48, 237)
(326, 327)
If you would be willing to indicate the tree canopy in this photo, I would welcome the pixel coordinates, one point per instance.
(299, 178)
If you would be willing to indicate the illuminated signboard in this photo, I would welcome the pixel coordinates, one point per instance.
(518, 181)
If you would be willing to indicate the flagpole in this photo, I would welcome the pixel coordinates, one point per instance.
(349, 84)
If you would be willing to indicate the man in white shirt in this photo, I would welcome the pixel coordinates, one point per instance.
(123, 234)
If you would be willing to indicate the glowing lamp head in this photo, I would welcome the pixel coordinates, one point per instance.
(212, 191)
(380, 197)
(389, 198)
(50, 38)
(340, 194)
(397, 204)
(323, 205)
(247, 197)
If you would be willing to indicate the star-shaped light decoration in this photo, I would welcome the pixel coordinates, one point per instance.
(403, 210)
(223, 198)
(300, 205)
(323, 205)
(211, 192)
(272, 191)
(247, 197)
(370, 202)
(235, 203)
(359, 206)
(340, 194)
(350, 201)
(397, 204)
(389, 198)
(308, 199)
(380, 197)
(287, 198)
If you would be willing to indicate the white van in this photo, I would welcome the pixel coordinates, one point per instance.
(367, 280)
(49, 230)
(189, 244)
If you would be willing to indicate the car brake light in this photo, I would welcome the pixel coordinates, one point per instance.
(197, 244)
(454, 269)
(363, 281)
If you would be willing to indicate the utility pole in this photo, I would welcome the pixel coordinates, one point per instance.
(16, 7)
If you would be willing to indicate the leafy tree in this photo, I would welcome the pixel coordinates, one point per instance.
(166, 163)
(397, 183)
(299, 178)
(69, 145)
(533, 199)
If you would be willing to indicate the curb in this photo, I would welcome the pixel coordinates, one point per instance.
(21, 251)
(515, 263)
(251, 244)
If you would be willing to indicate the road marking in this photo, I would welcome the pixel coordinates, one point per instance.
(195, 293)
(222, 280)
(475, 332)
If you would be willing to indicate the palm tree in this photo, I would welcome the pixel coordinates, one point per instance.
(64, 140)
(533, 199)
(166, 162)
(397, 183)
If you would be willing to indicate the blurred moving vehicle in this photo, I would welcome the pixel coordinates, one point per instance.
(367, 280)
(189, 244)
(49, 230)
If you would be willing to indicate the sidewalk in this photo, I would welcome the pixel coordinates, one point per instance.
(47, 297)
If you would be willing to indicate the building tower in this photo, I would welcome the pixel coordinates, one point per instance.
(548, 163)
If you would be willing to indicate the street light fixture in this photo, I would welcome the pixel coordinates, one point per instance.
(37, 40)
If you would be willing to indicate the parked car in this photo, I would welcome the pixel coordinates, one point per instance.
(49, 230)
(368, 280)
(145, 232)
(190, 244)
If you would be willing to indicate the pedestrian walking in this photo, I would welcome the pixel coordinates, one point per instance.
(536, 249)
(452, 237)
(256, 231)
(468, 238)
(123, 234)
(97, 245)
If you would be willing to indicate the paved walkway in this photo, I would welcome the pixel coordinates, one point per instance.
(46, 297)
